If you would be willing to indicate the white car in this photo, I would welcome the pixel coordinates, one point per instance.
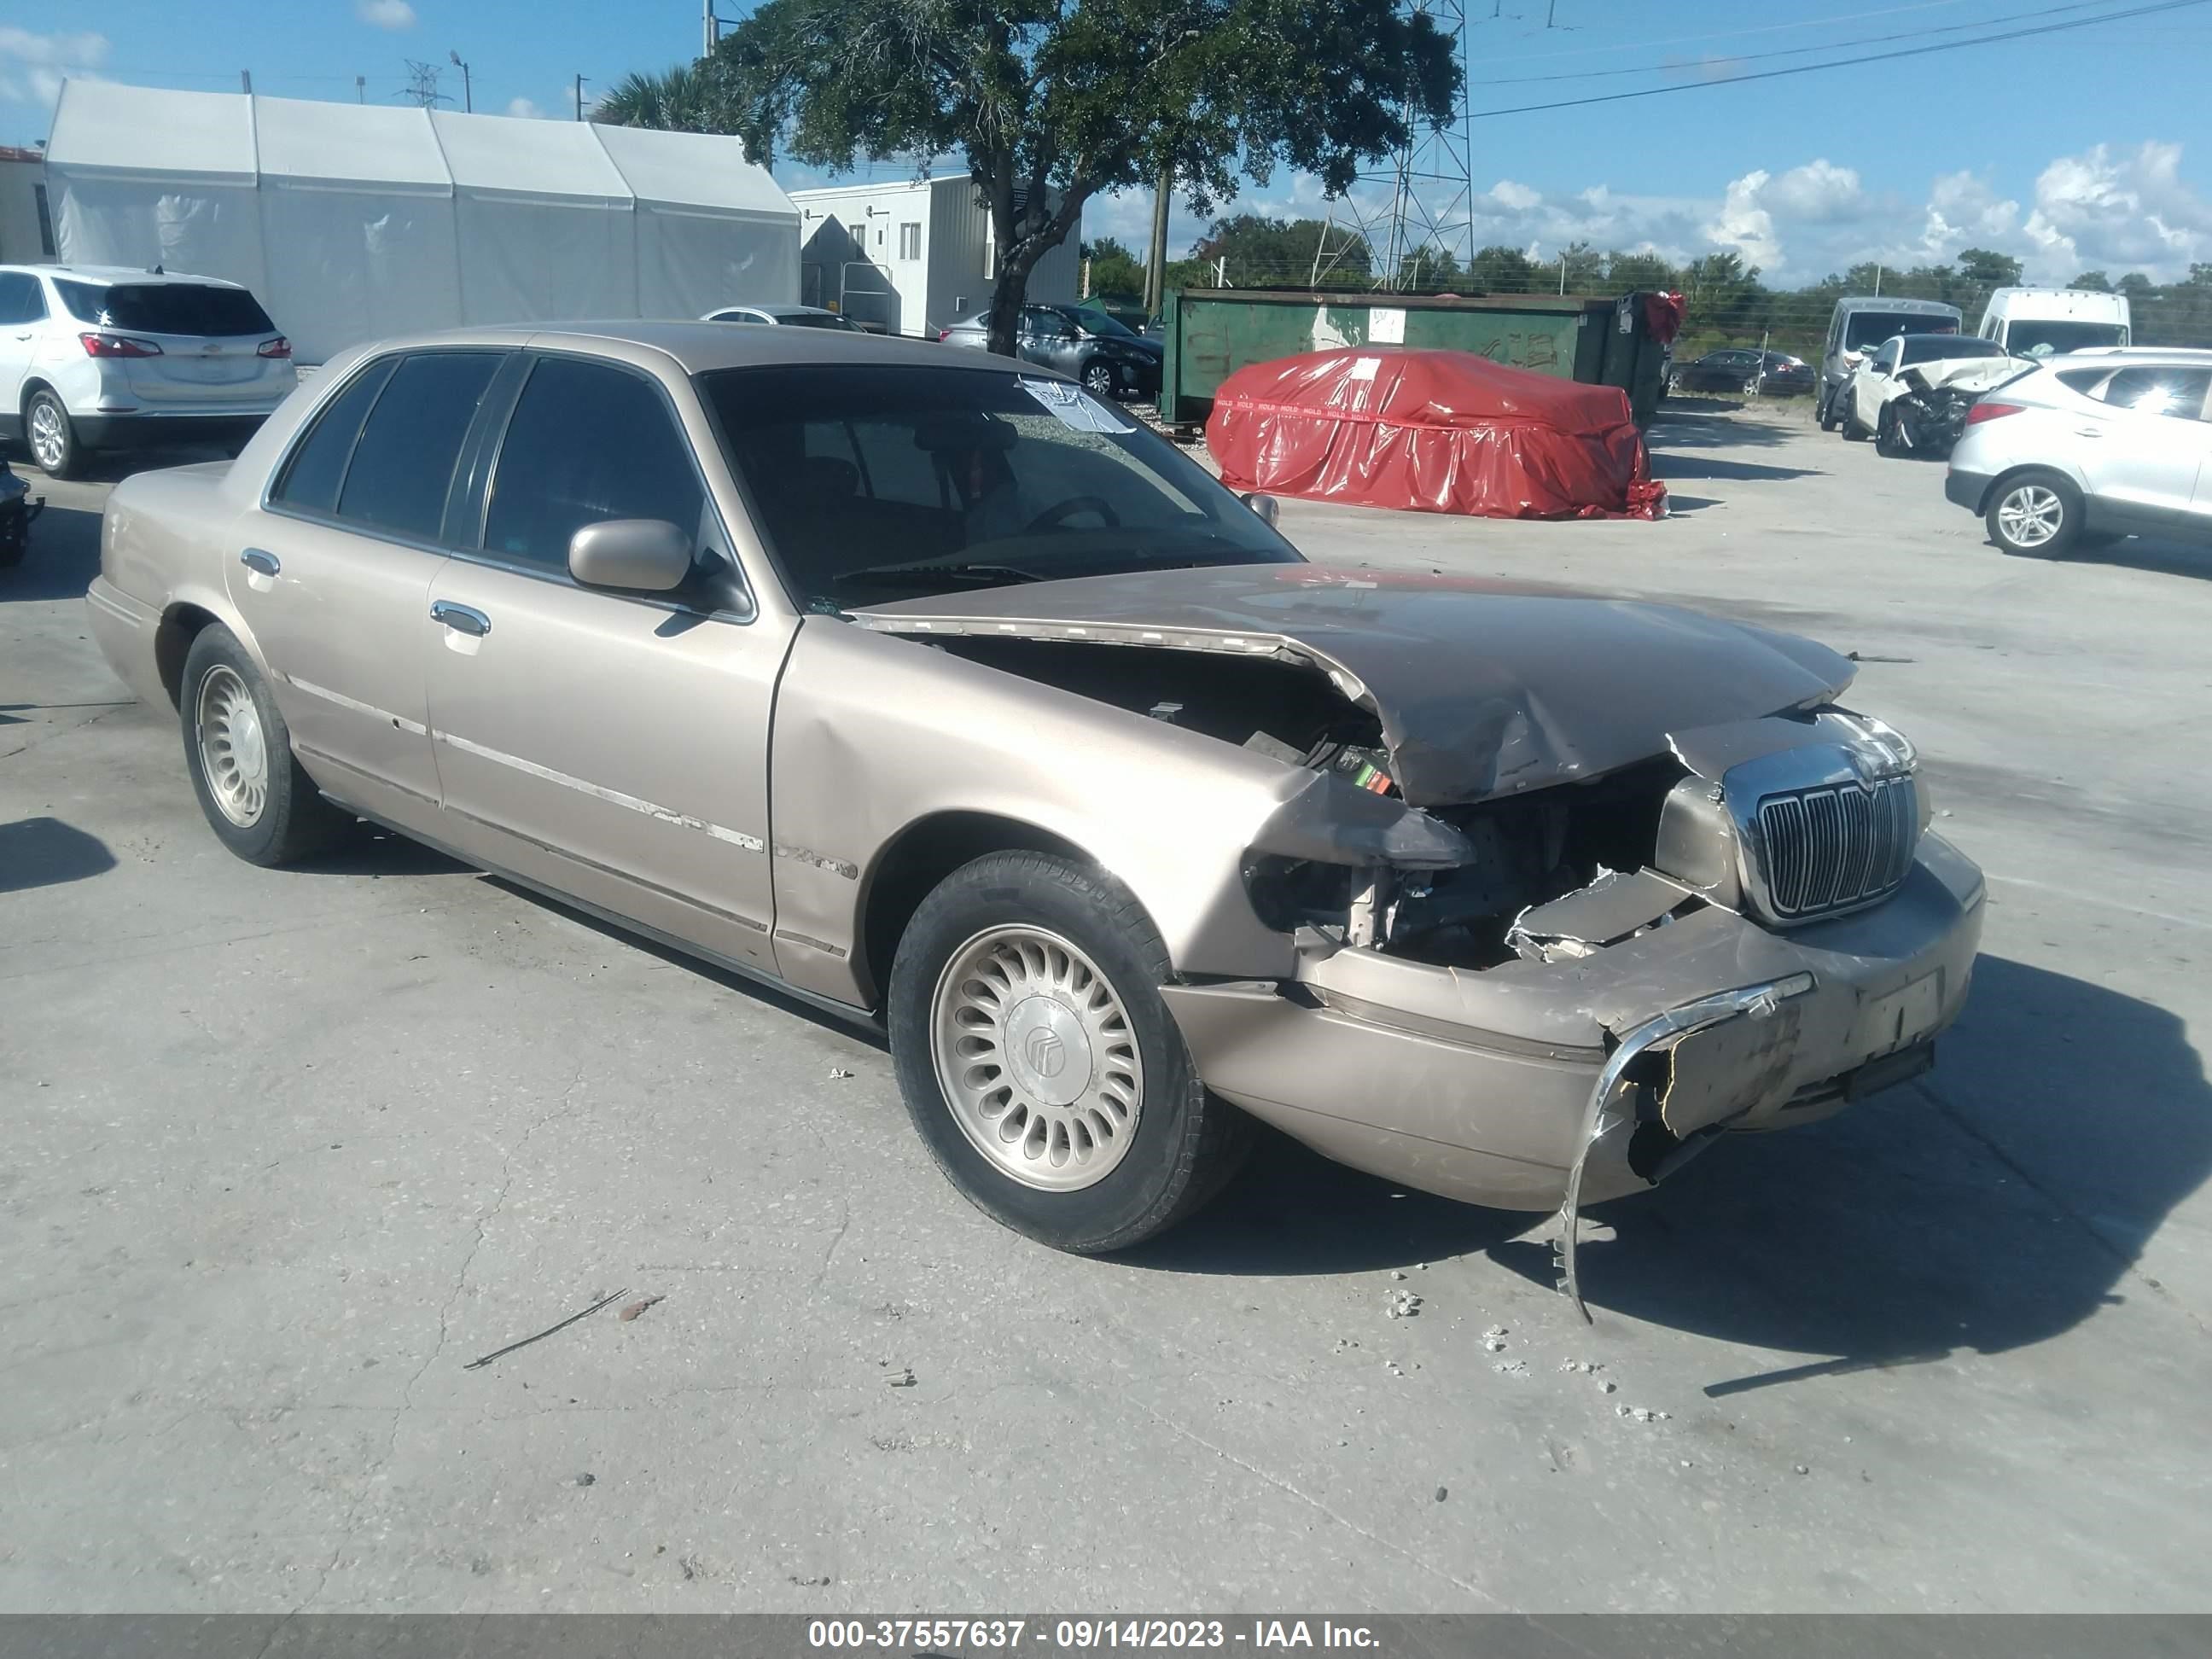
(105, 358)
(2090, 447)
(1941, 359)
(786, 316)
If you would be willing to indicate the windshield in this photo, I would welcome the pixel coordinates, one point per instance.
(2035, 337)
(874, 484)
(166, 307)
(1863, 329)
(1926, 348)
(1097, 322)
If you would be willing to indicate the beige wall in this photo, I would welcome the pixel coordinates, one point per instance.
(19, 214)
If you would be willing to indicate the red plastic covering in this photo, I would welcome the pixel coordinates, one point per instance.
(1662, 316)
(1434, 431)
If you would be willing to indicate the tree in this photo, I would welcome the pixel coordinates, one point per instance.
(684, 99)
(1639, 273)
(1261, 253)
(1115, 272)
(2134, 285)
(1990, 269)
(2095, 281)
(1499, 270)
(1050, 102)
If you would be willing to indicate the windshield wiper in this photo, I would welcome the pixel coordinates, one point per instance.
(974, 575)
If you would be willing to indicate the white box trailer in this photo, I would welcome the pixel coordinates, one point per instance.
(352, 222)
(911, 256)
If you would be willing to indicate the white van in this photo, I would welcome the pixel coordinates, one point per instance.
(2038, 322)
(1858, 325)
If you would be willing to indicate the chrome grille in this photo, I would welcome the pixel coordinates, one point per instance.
(1836, 847)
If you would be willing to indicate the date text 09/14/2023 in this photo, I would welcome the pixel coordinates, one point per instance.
(910, 1634)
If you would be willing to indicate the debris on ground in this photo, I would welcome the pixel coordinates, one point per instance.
(588, 1478)
(1391, 1366)
(1511, 1368)
(1641, 1413)
(837, 1074)
(500, 1353)
(639, 1306)
(1801, 1469)
(811, 1583)
(1440, 1494)
(1583, 1367)
(1396, 1274)
(1345, 1342)
(904, 1379)
(1605, 1388)
(1494, 1339)
(1403, 1304)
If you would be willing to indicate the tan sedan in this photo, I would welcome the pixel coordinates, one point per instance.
(931, 689)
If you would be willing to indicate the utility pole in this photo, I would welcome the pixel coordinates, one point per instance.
(361, 88)
(423, 84)
(579, 98)
(1156, 258)
(712, 31)
(245, 82)
(468, 94)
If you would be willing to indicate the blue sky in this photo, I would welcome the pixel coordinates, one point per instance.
(2091, 148)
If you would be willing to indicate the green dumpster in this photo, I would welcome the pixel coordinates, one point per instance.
(1210, 333)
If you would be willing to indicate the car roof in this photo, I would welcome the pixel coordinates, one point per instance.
(1903, 308)
(701, 347)
(778, 310)
(2141, 354)
(112, 276)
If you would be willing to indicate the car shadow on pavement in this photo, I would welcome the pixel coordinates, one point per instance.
(1996, 1204)
(61, 558)
(1732, 426)
(46, 853)
(2149, 553)
(1669, 466)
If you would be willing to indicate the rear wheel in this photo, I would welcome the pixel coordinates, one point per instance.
(51, 436)
(1040, 1063)
(258, 800)
(2036, 515)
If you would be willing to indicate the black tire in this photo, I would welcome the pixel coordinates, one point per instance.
(1853, 432)
(1098, 378)
(293, 820)
(1824, 409)
(71, 454)
(1887, 439)
(1186, 1144)
(2015, 494)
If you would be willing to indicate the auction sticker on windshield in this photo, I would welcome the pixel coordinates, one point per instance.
(1074, 408)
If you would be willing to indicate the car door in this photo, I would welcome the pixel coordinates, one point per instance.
(331, 573)
(23, 319)
(1871, 385)
(1048, 338)
(613, 746)
(2146, 457)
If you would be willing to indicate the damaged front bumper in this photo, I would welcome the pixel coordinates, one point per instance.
(1545, 1085)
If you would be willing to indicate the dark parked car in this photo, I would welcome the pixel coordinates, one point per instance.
(1110, 360)
(1738, 369)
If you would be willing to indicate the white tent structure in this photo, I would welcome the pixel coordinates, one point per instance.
(351, 222)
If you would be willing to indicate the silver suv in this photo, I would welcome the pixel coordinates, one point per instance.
(2089, 447)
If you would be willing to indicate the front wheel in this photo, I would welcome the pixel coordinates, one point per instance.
(1040, 1063)
(258, 800)
(1824, 410)
(1888, 433)
(2037, 515)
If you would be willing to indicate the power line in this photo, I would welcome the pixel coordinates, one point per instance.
(1839, 63)
(1724, 35)
(1790, 51)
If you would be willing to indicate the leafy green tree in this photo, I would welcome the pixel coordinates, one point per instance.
(1115, 272)
(1990, 269)
(1500, 270)
(684, 99)
(2095, 281)
(1256, 252)
(2134, 285)
(1639, 273)
(1050, 102)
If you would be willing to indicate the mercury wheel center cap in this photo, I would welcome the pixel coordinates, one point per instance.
(246, 746)
(1048, 1050)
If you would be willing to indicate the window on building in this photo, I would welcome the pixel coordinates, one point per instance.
(910, 239)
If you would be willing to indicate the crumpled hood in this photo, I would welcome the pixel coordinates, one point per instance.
(1967, 373)
(1483, 688)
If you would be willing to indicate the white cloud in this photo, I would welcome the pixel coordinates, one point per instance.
(524, 108)
(1819, 192)
(2118, 212)
(34, 66)
(386, 14)
(1743, 224)
(1515, 196)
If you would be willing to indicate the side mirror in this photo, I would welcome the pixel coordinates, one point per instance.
(1265, 506)
(649, 555)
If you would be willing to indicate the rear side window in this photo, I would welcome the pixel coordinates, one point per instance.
(22, 299)
(318, 466)
(2153, 390)
(587, 441)
(404, 463)
(166, 308)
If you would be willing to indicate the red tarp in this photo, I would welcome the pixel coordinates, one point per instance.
(1435, 431)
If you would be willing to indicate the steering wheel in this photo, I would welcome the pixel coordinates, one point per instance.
(1052, 516)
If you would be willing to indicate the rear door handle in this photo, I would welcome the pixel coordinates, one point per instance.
(256, 559)
(461, 618)
(2088, 432)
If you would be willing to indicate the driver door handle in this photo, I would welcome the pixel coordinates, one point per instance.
(260, 561)
(461, 618)
(2088, 432)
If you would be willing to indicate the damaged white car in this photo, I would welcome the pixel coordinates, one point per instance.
(942, 694)
(1934, 369)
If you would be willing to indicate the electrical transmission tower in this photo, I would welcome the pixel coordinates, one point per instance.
(1428, 202)
(423, 85)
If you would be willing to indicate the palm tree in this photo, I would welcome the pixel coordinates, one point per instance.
(681, 100)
